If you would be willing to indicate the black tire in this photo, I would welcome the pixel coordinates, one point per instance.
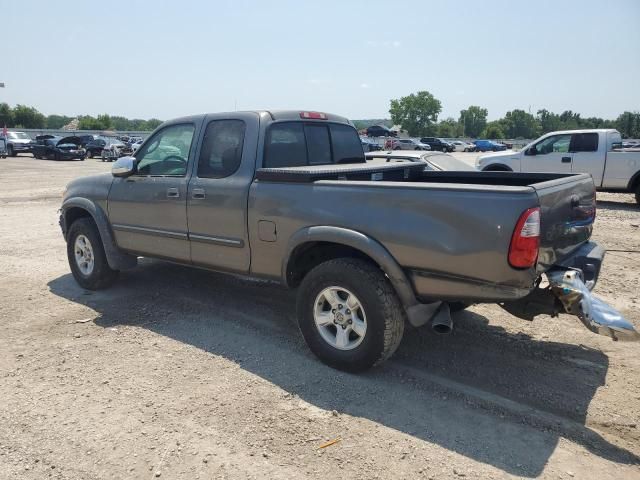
(10, 151)
(638, 194)
(385, 316)
(101, 275)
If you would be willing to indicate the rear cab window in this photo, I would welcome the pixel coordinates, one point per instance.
(294, 144)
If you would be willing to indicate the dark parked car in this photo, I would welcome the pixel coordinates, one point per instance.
(380, 131)
(438, 144)
(57, 148)
(368, 145)
(86, 139)
(94, 147)
(489, 146)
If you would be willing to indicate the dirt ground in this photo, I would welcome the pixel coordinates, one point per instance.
(179, 373)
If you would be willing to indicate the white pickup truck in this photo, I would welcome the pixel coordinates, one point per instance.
(596, 151)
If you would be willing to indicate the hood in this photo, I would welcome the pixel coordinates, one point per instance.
(482, 159)
(73, 139)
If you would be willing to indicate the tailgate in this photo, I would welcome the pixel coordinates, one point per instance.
(567, 213)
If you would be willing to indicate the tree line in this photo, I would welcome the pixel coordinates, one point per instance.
(418, 115)
(23, 116)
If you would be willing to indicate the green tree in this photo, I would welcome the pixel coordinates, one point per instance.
(493, 130)
(153, 123)
(473, 120)
(57, 121)
(6, 115)
(121, 123)
(28, 117)
(520, 124)
(628, 124)
(449, 128)
(416, 113)
(548, 121)
(569, 120)
(102, 122)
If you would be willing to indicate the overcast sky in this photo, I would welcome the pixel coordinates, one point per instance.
(167, 59)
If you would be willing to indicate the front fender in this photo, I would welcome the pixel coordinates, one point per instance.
(116, 258)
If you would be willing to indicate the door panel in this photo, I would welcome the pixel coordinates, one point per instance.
(588, 155)
(551, 155)
(146, 220)
(218, 192)
(148, 210)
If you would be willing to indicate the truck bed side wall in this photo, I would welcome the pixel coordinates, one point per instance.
(420, 225)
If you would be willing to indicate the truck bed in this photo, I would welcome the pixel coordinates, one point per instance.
(450, 230)
(403, 172)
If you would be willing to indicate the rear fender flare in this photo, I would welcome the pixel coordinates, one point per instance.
(361, 242)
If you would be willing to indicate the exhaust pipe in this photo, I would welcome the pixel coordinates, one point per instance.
(442, 324)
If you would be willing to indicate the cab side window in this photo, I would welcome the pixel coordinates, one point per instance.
(585, 142)
(167, 153)
(221, 151)
(553, 144)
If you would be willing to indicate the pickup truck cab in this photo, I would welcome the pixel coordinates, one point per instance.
(597, 152)
(289, 196)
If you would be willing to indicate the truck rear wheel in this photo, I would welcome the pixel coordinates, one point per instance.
(86, 256)
(349, 314)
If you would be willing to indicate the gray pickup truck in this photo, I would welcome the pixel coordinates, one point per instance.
(289, 196)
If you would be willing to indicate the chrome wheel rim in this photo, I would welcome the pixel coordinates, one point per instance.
(340, 318)
(84, 254)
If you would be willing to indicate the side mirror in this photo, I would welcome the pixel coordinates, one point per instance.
(124, 167)
(531, 151)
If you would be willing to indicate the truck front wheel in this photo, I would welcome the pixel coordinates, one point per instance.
(86, 256)
(349, 314)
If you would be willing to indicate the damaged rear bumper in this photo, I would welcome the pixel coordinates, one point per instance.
(569, 290)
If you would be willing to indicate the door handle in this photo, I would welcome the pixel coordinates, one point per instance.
(566, 159)
(198, 193)
(173, 193)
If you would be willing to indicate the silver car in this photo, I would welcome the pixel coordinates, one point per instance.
(409, 144)
(434, 160)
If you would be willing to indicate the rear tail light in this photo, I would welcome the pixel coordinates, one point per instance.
(525, 241)
(313, 115)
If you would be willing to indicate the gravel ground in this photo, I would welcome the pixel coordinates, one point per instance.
(179, 373)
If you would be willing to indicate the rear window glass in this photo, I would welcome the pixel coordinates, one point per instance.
(585, 142)
(294, 144)
(346, 144)
(318, 145)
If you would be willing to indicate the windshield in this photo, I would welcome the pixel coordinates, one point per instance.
(19, 136)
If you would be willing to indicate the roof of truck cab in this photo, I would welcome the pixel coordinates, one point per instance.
(584, 130)
(277, 115)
